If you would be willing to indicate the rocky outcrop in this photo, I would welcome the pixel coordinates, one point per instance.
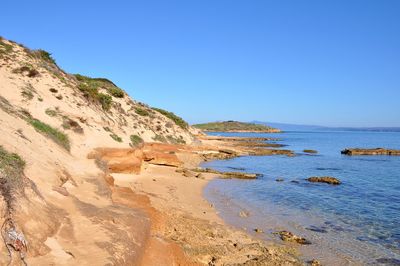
(119, 160)
(324, 179)
(237, 175)
(161, 158)
(376, 151)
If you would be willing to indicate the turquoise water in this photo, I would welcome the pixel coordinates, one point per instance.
(355, 222)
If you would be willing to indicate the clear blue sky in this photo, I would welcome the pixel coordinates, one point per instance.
(327, 62)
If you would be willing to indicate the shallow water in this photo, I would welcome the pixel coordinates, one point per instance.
(355, 222)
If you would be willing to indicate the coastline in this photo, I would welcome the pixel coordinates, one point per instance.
(185, 228)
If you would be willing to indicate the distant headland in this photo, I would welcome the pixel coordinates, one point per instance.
(235, 126)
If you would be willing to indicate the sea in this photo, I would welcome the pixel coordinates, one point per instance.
(355, 223)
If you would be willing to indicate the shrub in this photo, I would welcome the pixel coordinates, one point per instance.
(141, 111)
(11, 176)
(174, 140)
(68, 123)
(11, 164)
(136, 140)
(50, 112)
(116, 92)
(105, 101)
(97, 83)
(159, 138)
(177, 120)
(27, 94)
(5, 47)
(46, 56)
(116, 137)
(29, 71)
(54, 134)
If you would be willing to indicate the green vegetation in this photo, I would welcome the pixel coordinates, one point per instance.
(136, 140)
(27, 94)
(54, 134)
(174, 140)
(105, 101)
(5, 48)
(177, 120)
(90, 87)
(11, 165)
(159, 138)
(51, 112)
(232, 126)
(116, 137)
(141, 111)
(44, 55)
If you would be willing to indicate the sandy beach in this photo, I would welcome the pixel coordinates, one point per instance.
(185, 228)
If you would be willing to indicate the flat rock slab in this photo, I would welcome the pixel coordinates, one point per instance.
(376, 151)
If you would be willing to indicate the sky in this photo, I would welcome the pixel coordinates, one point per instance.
(323, 62)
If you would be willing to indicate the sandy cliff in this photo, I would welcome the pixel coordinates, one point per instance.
(62, 206)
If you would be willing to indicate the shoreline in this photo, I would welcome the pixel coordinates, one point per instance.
(185, 228)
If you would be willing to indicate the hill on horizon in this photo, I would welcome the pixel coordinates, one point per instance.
(300, 127)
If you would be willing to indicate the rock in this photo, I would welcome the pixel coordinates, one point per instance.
(376, 151)
(189, 173)
(119, 160)
(317, 229)
(310, 151)
(324, 179)
(258, 230)
(314, 262)
(388, 261)
(162, 158)
(279, 180)
(238, 175)
(244, 214)
(200, 176)
(290, 237)
(264, 152)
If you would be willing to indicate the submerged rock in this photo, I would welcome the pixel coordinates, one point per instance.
(324, 179)
(376, 151)
(290, 237)
(279, 180)
(258, 230)
(388, 261)
(310, 151)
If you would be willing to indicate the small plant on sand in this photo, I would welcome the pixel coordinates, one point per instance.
(51, 112)
(174, 140)
(54, 134)
(5, 48)
(116, 137)
(46, 56)
(27, 94)
(135, 140)
(160, 138)
(27, 70)
(141, 111)
(11, 165)
(177, 120)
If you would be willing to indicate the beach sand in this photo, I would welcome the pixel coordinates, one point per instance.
(185, 228)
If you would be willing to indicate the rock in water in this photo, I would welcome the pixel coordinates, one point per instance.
(376, 151)
(290, 237)
(324, 179)
(310, 151)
